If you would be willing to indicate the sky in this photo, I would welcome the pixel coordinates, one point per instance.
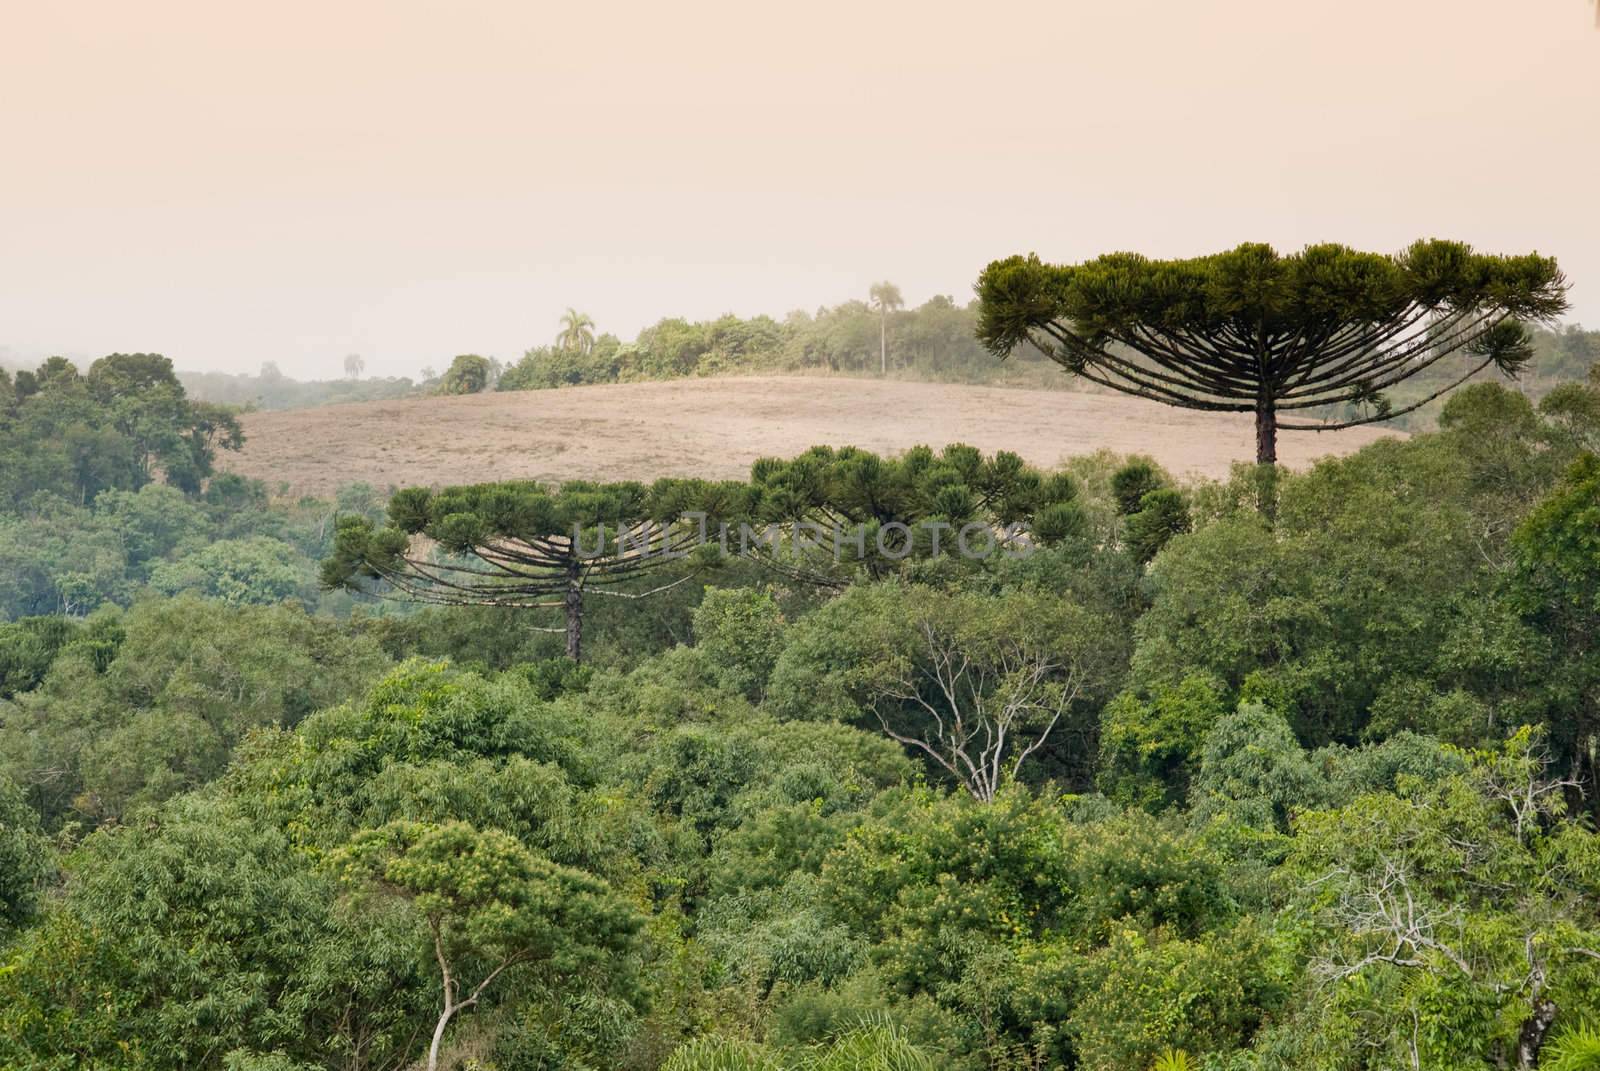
(230, 184)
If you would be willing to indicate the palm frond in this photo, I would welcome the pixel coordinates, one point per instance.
(873, 1047)
(1577, 1048)
(721, 1054)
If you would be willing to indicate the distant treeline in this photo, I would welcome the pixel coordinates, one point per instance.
(271, 389)
(935, 341)
(1563, 355)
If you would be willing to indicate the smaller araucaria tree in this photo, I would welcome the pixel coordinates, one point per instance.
(1252, 331)
(524, 545)
(871, 516)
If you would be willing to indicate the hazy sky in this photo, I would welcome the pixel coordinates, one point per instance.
(229, 183)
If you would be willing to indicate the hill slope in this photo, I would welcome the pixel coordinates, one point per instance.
(717, 427)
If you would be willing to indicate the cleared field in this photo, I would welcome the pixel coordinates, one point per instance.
(717, 427)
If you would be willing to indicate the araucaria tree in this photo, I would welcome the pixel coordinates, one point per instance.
(1329, 328)
(521, 544)
(873, 516)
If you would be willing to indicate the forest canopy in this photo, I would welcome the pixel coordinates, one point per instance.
(1228, 774)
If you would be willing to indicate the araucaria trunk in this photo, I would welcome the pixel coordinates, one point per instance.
(1266, 433)
(574, 607)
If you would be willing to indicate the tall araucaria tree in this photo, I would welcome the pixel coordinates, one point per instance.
(1328, 328)
(524, 545)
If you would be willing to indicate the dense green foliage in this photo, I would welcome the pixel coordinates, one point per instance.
(107, 494)
(123, 424)
(138, 706)
(467, 374)
(823, 518)
(1241, 776)
(229, 542)
(933, 341)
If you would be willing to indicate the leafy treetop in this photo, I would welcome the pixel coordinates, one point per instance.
(923, 493)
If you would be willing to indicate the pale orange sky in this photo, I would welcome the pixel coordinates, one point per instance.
(230, 183)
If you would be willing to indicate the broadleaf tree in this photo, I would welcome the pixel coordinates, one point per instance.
(491, 906)
(1456, 924)
(468, 374)
(979, 684)
(1327, 329)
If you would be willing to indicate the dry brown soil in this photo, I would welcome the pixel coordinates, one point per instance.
(717, 427)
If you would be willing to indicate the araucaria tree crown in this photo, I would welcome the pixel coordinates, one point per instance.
(1251, 330)
(522, 544)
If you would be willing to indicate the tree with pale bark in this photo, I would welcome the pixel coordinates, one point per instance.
(492, 908)
(1457, 922)
(978, 685)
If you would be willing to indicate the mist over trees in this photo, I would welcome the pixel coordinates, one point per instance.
(283, 392)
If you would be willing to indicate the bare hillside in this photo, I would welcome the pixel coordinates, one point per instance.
(717, 427)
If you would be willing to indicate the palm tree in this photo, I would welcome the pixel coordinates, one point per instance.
(886, 299)
(577, 332)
